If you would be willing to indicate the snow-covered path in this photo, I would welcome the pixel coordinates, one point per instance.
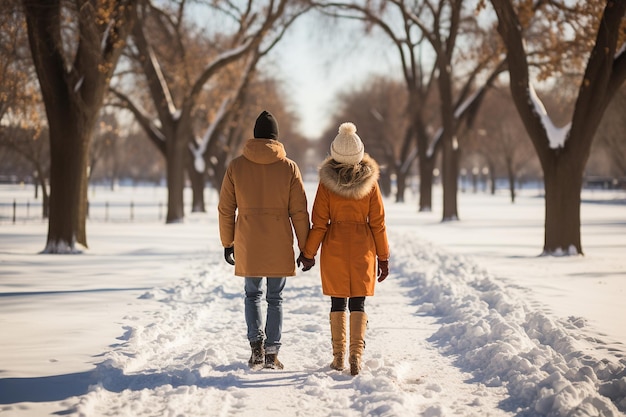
(150, 323)
(444, 338)
(187, 355)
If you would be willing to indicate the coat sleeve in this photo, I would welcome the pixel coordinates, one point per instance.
(320, 217)
(298, 210)
(227, 207)
(377, 223)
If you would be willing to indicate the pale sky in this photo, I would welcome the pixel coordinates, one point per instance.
(318, 59)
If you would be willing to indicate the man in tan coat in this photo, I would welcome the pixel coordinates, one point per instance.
(261, 199)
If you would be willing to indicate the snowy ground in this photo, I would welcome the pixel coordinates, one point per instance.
(149, 320)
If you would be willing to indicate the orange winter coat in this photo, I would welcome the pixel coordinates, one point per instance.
(262, 196)
(349, 222)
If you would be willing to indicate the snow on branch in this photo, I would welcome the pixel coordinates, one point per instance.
(157, 132)
(409, 160)
(469, 101)
(159, 73)
(431, 149)
(227, 55)
(105, 36)
(203, 143)
(556, 135)
(198, 160)
(458, 113)
(79, 84)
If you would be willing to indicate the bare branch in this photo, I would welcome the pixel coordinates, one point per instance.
(142, 117)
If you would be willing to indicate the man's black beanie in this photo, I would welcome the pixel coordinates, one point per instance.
(266, 126)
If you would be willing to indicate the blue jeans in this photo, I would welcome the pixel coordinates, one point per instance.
(274, 321)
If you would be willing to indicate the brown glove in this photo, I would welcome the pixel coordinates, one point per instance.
(229, 255)
(305, 262)
(383, 270)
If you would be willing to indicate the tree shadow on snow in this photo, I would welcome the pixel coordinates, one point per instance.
(46, 388)
(61, 387)
(114, 380)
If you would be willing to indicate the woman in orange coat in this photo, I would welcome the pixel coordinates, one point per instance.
(349, 222)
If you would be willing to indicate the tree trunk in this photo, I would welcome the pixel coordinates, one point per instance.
(563, 165)
(175, 162)
(563, 182)
(400, 186)
(426, 184)
(385, 183)
(511, 177)
(426, 164)
(450, 181)
(403, 165)
(40, 181)
(218, 169)
(449, 152)
(198, 181)
(491, 177)
(45, 198)
(72, 93)
(69, 155)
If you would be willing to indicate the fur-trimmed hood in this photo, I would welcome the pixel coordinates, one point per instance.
(350, 181)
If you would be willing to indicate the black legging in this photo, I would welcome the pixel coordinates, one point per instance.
(355, 304)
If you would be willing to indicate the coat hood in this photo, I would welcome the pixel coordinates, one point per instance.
(347, 180)
(264, 151)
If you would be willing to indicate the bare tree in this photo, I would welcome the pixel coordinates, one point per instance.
(563, 152)
(500, 140)
(419, 79)
(22, 122)
(176, 104)
(74, 61)
(434, 26)
(378, 108)
(105, 141)
(279, 16)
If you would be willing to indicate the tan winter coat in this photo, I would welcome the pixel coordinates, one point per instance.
(262, 196)
(349, 222)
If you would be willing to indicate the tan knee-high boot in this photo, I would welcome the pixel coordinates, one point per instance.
(358, 323)
(338, 335)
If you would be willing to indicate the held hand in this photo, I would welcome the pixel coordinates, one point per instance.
(229, 255)
(383, 270)
(305, 262)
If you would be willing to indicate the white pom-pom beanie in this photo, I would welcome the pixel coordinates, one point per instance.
(347, 147)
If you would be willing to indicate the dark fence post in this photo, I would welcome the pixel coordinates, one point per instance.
(14, 210)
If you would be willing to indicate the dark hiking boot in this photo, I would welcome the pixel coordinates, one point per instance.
(256, 358)
(272, 362)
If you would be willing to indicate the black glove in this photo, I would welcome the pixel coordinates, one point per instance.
(229, 255)
(383, 270)
(306, 262)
